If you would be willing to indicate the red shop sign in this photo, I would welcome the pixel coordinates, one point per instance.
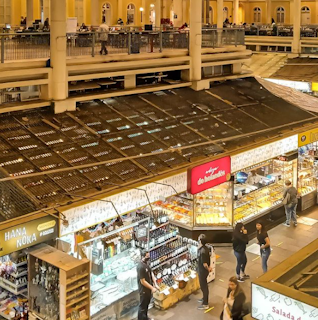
(209, 175)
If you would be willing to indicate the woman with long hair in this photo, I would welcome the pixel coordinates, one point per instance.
(240, 240)
(233, 302)
(263, 241)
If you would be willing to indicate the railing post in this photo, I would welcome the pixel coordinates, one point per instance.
(235, 37)
(129, 42)
(2, 49)
(93, 45)
(160, 40)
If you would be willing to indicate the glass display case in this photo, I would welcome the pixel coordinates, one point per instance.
(114, 257)
(213, 207)
(210, 208)
(307, 168)
(260, 188)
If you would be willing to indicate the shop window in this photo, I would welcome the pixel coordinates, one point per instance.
(152, 14)
(305, 16)
(131, 14)
(107, 13)
(257, 15)
(280, 15)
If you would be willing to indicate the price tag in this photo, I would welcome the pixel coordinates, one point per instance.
(166, 292)
(175, 286)
(186, 279)
(193, 275)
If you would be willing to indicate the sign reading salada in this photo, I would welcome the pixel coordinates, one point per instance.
(270, 305)
(28, 234)
(209, 175)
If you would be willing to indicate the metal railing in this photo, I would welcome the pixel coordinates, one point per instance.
(36, 45)
(213, 38)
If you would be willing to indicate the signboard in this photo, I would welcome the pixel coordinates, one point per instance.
(71, 25)
(269, 151)
(270, 305)
(28, 234)
(307, 137)
(209, 175)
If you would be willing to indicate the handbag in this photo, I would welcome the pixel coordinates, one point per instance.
(286, 199)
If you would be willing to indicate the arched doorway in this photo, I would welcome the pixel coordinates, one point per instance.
(225, 13)
(257, 15)
(305, 16)
(210, 15)
(107, 13)
(131, 13)
(152, 14)
(280, 15)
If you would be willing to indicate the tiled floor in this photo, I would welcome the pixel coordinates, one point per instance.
(284, 241)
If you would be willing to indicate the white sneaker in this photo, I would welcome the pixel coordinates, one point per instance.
(286, 224)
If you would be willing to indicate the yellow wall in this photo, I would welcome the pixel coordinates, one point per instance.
(70, 8)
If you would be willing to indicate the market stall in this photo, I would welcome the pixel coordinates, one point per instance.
(307, 168)
(16, 238)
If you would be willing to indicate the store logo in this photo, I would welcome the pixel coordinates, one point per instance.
(209, 175)
(303, 138)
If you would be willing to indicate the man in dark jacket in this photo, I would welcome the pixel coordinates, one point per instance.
(290, 194)
(203, 271)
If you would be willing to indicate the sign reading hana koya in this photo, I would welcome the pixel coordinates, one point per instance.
(209, 175)
(28, 234)
(270, 305)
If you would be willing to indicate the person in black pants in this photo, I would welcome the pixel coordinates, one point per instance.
(203, 271)
(240, 240)
(234, 301)
(146, 285)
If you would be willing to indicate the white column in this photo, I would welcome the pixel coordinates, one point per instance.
(158, 9)
(219, 10)
(195, 39)
(30, 18)
(296, 25)
(58, 50)
(236, 12)
(269, 12)
(96, 13)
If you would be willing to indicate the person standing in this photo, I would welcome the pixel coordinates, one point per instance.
(263, 241)
(146, 285)
(103, 31)
(240, 240)
(203, 271)
(233, 302)
(290, 202)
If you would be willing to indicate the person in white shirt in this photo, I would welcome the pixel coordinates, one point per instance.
(253, 178)
(103, 31)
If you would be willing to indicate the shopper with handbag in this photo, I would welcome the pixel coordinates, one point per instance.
(233, 302)
(290, 202)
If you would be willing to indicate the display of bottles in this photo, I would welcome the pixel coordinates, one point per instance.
(172, 249)
(160, 216)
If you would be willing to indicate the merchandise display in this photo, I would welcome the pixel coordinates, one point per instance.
(114, 257)
(307, 169)
(14, 287)
(59, 285)
(214, 206)
(261, 188)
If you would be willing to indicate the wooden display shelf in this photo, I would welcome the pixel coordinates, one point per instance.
(73, 274)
